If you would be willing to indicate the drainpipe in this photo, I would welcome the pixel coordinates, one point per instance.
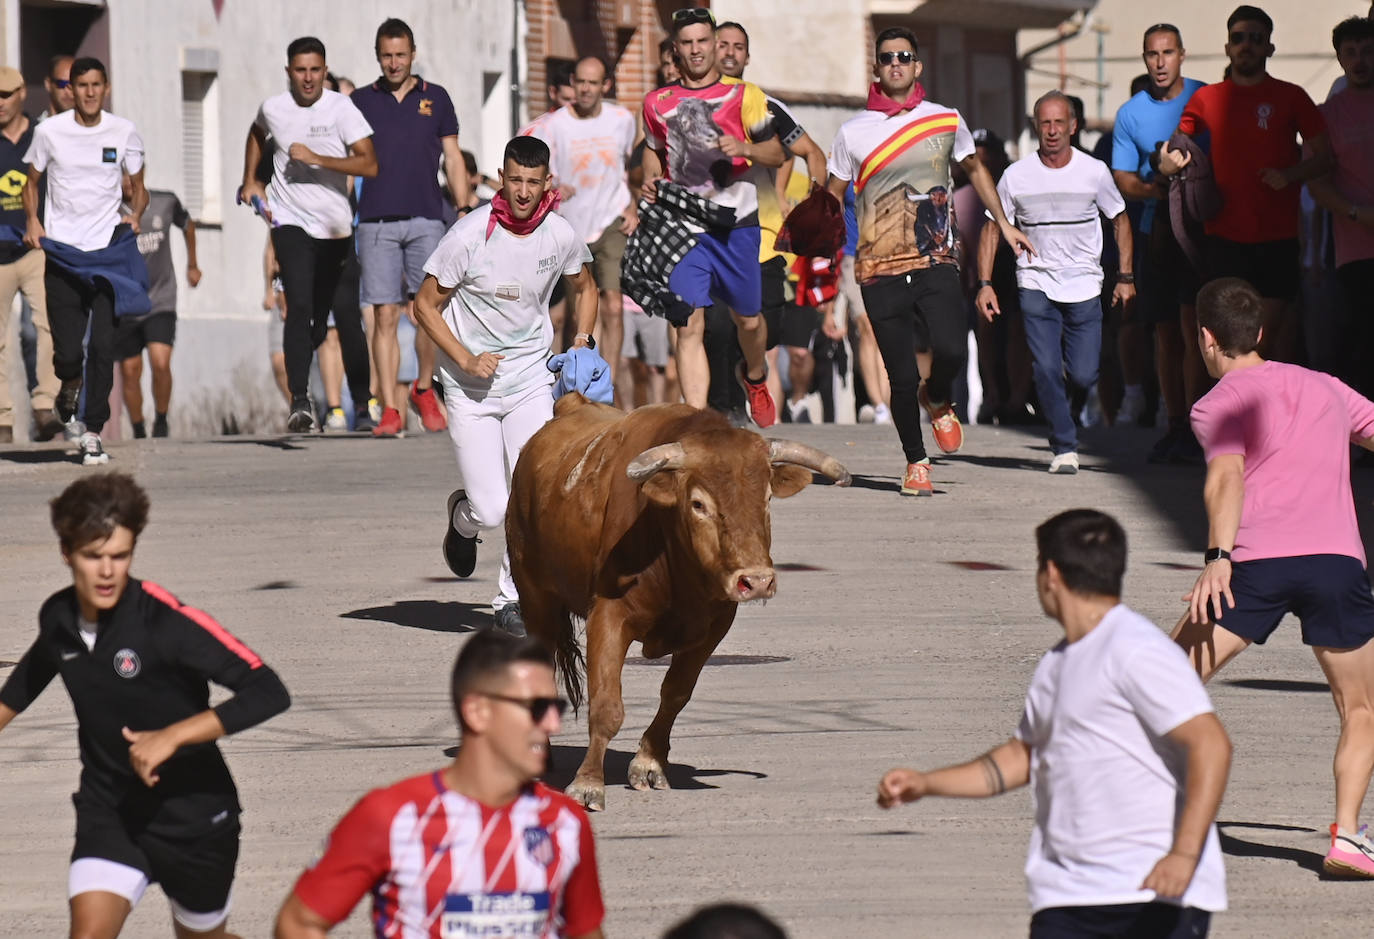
(1066, 30)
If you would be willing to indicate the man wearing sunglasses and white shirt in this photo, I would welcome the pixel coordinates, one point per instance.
(478, 847)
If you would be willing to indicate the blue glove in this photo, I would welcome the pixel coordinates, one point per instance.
(584, 371)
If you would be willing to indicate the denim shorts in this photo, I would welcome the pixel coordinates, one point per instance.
(393, 256)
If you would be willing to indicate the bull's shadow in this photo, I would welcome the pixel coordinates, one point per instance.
(564, 761)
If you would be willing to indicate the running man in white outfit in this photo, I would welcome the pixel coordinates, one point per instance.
(484, 301)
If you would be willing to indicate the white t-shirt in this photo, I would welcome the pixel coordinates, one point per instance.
(1107, 785)
(85, 168)
(590, 154)
(1058, 211)
(502, 301)
(311, 197)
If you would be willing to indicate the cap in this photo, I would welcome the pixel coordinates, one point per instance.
(10, 79)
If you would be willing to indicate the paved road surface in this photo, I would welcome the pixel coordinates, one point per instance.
(904, 631)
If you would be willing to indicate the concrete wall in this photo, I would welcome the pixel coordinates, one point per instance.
(815, 46)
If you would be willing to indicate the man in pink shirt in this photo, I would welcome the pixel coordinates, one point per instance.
(1282, 533)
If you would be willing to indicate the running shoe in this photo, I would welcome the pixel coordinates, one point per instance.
(68, 396)
(1351, 855)
(140, 431)
(46, 425)
(1064, 464)
(867, 413)
(302, 417)
(944, 423)
(363, 422)
(882, 414)
(390, 425)
(761, 405)
(460, 551)
(427, 406)
(160, 425)
(799, 412)
(92, 450)
(916, 482)
(509, 620)
(335, 422)
(374, 410)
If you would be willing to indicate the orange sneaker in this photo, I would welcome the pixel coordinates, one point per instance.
(944, 423)
(431, 413)
(761, 406)
(917, 480)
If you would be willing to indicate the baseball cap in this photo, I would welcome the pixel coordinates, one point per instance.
(10, 79)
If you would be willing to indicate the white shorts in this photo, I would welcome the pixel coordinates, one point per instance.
(91, 874)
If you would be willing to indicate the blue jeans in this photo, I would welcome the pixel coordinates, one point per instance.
(1065, 342)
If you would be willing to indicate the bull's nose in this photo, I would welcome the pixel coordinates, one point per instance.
(757, 584)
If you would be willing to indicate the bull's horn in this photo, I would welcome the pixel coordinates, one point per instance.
(667, 456)
(789, 451)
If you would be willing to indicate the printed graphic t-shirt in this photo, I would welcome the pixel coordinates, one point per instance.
(1253, 128)
(903, 189)
(684, 126)
(589, 154)
(443, 866)
(501, 303)
(164, 210)
(84, 168)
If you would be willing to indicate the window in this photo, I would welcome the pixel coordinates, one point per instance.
(200, 145)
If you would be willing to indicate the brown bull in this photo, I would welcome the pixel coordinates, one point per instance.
(653, 527)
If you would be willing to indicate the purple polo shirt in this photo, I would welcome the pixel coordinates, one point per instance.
(408, 137)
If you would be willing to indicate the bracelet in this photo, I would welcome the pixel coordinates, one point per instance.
(984, 283)
(1127, 278)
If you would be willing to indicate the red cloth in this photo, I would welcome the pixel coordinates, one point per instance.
(1252, 128)
(817, 281)
(815, 228)
(877, 101)
(501, 213)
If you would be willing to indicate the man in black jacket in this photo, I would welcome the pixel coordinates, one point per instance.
(156, 802)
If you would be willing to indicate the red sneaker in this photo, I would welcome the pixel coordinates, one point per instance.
(431, 414)
(917, 480)
(761, 406)
(390, 425)
(944, 423)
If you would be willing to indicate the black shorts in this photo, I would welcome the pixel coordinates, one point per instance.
(195, 872)
(773, 291)
(1166, 279)
(1122, 921)
(133, 333)
(1328, 593)
(1271, 267)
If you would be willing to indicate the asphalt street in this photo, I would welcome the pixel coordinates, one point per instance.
(904, 632)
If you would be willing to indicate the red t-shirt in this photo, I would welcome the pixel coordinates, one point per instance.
(1253, 128)
(441, 865)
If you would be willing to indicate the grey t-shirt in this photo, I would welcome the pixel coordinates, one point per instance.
(164, 210)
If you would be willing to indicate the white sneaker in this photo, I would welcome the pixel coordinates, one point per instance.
(867, 413)
(1132, 405)
(92, 450)
(374, 410)
(1064, 464)
(799, 412)
(335, 422)
(882, 414)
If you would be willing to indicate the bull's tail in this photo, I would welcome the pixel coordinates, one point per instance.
(570, 660)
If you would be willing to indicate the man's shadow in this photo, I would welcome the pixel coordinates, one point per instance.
(1239, 847)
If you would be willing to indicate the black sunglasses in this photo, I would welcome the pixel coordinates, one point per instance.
(62, 82)
(887, 58)
(538, 707)
(689, 15)
(1239, 37)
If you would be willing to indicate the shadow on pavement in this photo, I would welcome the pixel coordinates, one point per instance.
(275, 443)
(564, 760)
(1238, 847)
(38, 456)
(1279, 684)
(881, 483)
(436, 616)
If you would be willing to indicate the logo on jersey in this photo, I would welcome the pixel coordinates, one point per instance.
(427, 107)
(109, 155)
(1263, 113)
(474, 915)
(12, 183)
(539, 845)
(127, 663)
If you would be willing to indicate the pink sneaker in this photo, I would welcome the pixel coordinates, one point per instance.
(1351, 855)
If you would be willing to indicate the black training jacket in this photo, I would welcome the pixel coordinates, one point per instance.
(151, 665)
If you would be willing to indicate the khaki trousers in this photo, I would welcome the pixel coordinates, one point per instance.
(26, 276)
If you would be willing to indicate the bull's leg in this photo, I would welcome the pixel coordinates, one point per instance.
(608, 640)
(649, 768)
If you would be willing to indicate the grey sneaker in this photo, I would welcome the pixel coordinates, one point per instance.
(1064, 464)
(302, 417)
(509, 620)
(92, 450)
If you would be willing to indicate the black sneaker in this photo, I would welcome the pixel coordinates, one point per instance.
(302, 417)
(363, 422)
(160, 426)
(460, 552)
(68, 397)
(139, 430)
(509, 620)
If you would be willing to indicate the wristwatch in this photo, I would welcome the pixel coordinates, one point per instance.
(1215, 554)
(984, 283)
(591, 343)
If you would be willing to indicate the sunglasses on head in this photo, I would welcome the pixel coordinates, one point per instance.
(688, 15)
(538, 707)
(1239, 36)
(62, 82)
(887, 58)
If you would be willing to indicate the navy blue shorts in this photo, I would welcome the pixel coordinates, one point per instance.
(1328, 593)
(724, 265)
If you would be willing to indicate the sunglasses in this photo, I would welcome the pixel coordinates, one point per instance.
(538, 707)
(6, 95)
(61, 82)
(887, 58)
(689, 15)
(1239, 37)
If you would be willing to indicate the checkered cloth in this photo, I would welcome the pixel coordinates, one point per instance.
(668, 229)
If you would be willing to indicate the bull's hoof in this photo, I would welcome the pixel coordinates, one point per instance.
(648, 773)
(590, 792)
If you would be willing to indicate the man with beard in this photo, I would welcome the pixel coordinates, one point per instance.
(1255, 121)
(495, 852)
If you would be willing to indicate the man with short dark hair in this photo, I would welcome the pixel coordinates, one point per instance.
(484, 301)
(1126, 759)
(1282, 533)
(497, 853)
(401, 211)
(898, 153)
(1254, 121)
(321, 139)
(58, 83)
(156, 802)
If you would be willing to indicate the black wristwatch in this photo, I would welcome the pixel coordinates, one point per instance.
(591, 342)
(984, 283)
(1215, 554)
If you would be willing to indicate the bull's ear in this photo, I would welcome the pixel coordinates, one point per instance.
(661, 488)
(789, 479)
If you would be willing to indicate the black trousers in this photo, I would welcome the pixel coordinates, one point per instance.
(312, 272)
(924, 307)
(1123, 921)
(71, 303)
(1356, 361)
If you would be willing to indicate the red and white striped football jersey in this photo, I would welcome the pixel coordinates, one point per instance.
(442, 866)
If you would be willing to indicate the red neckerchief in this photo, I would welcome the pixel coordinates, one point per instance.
(877, 101)
(501, 212)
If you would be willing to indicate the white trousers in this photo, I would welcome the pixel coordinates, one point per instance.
(488, 435)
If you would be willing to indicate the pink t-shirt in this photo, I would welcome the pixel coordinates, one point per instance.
(1293, 426)
(1350, 122)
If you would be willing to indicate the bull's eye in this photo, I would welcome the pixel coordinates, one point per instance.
(698, 507)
